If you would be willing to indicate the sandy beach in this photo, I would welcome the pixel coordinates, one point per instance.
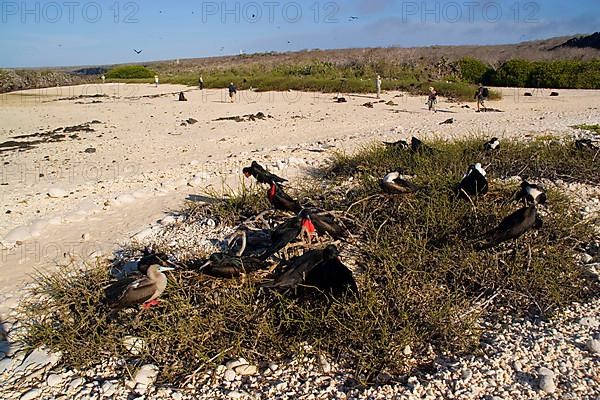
(128, 154)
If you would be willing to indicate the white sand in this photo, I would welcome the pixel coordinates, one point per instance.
(145, 159)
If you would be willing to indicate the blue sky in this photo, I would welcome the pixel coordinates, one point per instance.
(54, 33)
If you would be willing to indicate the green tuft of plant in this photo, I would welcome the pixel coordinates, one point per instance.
(130, 72)
(593, 128)
(421, 281)
(228, 206)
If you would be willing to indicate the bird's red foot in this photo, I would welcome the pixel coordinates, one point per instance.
(149, 304)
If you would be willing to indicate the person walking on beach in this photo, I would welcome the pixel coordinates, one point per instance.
(481, 95)
(378, 83)
(156, 81)
(201, 82)
(232, 91)
(432, 99)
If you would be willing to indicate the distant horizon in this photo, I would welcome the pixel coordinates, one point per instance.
(50, 34)
(290, 51)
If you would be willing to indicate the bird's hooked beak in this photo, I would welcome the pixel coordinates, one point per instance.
(165, 269)
(206, 264)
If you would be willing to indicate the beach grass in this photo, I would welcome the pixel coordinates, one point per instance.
(422, 284)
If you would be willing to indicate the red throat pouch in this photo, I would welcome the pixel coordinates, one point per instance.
(308, 225)
(271, 192)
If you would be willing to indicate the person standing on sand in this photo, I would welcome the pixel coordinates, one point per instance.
(378, 83)
(156, 81)
(432, 99)
(201, 82)
(232, 91)
(481, 95)
(103, 79)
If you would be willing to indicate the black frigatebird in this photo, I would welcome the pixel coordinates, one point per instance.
(280, 200)
(511, 227)
(323, 223)
(473, 182)
(492, 144)
(531, 193)
(317, 268)
(393, 184)
(262, 175)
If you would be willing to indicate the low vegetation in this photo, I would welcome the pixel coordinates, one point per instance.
(593, 128)
(421, 281)
(130, 72)
(331, 78)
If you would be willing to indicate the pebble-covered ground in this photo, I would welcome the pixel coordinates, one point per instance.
(525, 360)
(518, 358)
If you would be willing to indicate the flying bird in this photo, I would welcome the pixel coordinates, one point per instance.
(138, 51)
(352, 18)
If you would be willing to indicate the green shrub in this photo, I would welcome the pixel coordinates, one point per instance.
(547, 74)
(472, 70)
(130, 72)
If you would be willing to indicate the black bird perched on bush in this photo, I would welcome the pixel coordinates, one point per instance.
(583, 144)
(318, 268)
(492, 144)
(262, 175)
(281, 200)
(223, 265)
(287, 232)
(398, 145)
(323, 223)
(474, 181)
(393, 184)
(511, 227)
(417, 146)
(133, 291)
(531, 193)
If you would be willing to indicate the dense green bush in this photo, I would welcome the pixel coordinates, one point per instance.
(472, 70)
(130, 72)
(548, 74)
